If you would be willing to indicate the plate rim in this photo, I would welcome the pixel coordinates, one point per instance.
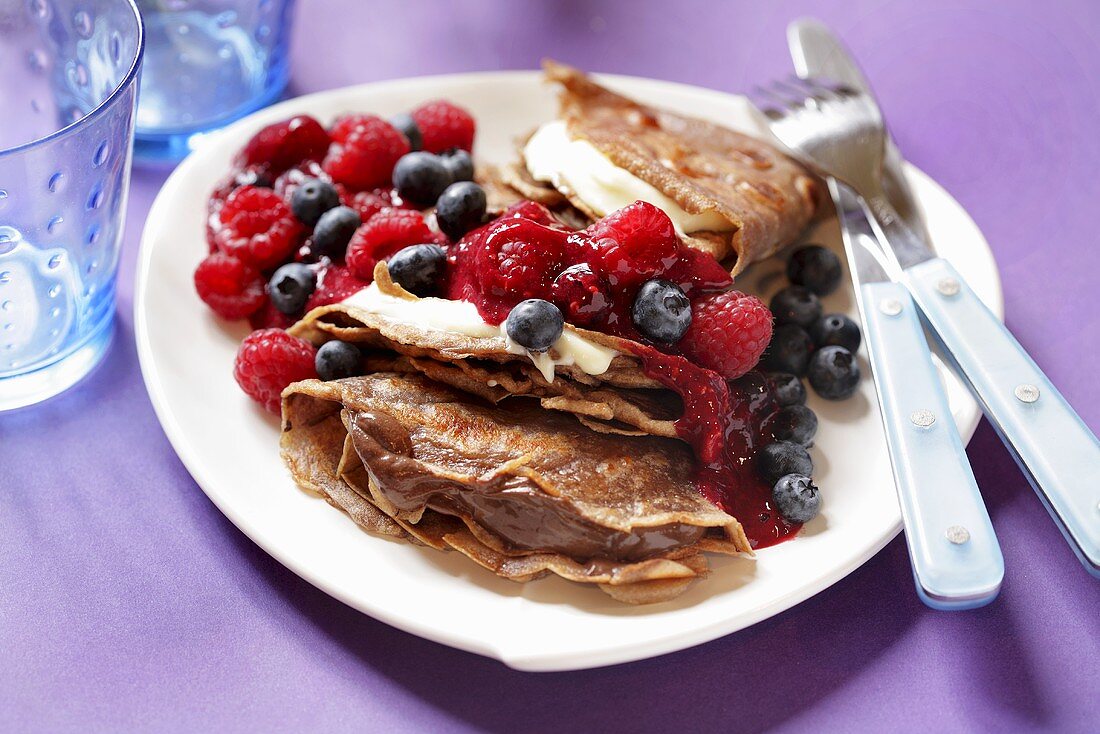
(544, 662)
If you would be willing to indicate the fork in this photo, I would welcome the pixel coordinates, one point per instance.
(839, 131)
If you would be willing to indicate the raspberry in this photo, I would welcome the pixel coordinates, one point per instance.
(517, 260)
(444, 126)
(230, 287)
(696, 271)
(728, 333)
(270, 359)
(258, 227)
(256, 175)
(269, 317)
(334, 283)
(635, 244)
(531, 211)
(581, 295)
(365, 153)
(285, 144)
(369, 203)
(387, 232)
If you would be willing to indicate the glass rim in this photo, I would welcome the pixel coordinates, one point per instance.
(108, 101)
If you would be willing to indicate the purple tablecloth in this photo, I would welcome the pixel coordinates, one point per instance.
(127, 601)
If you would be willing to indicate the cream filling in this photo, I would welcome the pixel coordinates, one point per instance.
(577, 167)
(461, 317)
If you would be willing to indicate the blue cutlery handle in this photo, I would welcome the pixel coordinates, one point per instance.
(1054, 447)
(956, 559)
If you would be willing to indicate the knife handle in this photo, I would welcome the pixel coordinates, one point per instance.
(1050, 442)
(956, 559)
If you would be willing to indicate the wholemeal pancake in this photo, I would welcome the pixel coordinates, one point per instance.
(767, 198)
(520, 490)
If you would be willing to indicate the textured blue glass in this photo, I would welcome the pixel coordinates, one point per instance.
(207, 63)
(68, 81)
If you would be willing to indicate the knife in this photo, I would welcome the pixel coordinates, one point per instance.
(957, 562)
(817, 52)
(1054, 448)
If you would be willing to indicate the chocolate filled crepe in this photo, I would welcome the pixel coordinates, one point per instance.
(766, 197)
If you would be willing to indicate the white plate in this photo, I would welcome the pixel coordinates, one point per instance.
(231, 447)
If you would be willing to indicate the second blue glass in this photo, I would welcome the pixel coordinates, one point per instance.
(207, 63)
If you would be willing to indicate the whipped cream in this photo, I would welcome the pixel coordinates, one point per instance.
(576, 166)
(461, 317)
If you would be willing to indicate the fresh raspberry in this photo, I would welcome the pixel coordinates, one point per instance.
(258, 227)
(444, 126)
(285, 144)
(256, 175)
(517, 260)
(369, 203)
(334, 283)
(269, 317)
(635, 243)
(365, 156)
(230, 287)
(292, 178)
(728, 333)
(531, 211)
(384, 234)
(270, 359)
(581, 294)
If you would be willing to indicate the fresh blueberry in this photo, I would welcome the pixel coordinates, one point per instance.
(421, 177)
(407, 126)
(797, 498)
(816, 268)
(789, 389)
(419, 268)
(834, 373)
(459, 163)
(795, 423)
(781, 458)
(535, 324)
(311, 199)
(789, 350)
(290, 287)
(836, 330)
(336, 360)
(460, 208)
(333, 232)
(661, 311)
(796, 305)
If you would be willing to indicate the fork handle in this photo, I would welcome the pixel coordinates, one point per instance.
(1054, 447)
(957, 562)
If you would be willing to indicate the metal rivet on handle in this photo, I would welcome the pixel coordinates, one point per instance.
(957, 534)
(890, 307)
(1026, 393)
(922, 418)
(948, 286)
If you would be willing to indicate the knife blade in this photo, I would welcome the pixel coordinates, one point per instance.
(956, 559)
(817, 52)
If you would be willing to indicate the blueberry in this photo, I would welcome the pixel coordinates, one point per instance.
(834, 373)
(796, 305)
(460, 208)
(290, 287)
(336, 360)
(815, 268)
(789, 350)
(795, 423)
(421, 177)
(419, 268)
(836, 330)
(459, 163)
(797, 498)
(781, 458)
(789, 389)
(311, 199)
(661, 311)
(535, 324)
(408, 127)
(333, 232)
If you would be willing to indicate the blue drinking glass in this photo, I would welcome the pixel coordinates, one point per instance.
(68, 86)
(207, 63)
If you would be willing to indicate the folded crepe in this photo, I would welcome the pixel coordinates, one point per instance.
(520, 490)
(767, 198)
